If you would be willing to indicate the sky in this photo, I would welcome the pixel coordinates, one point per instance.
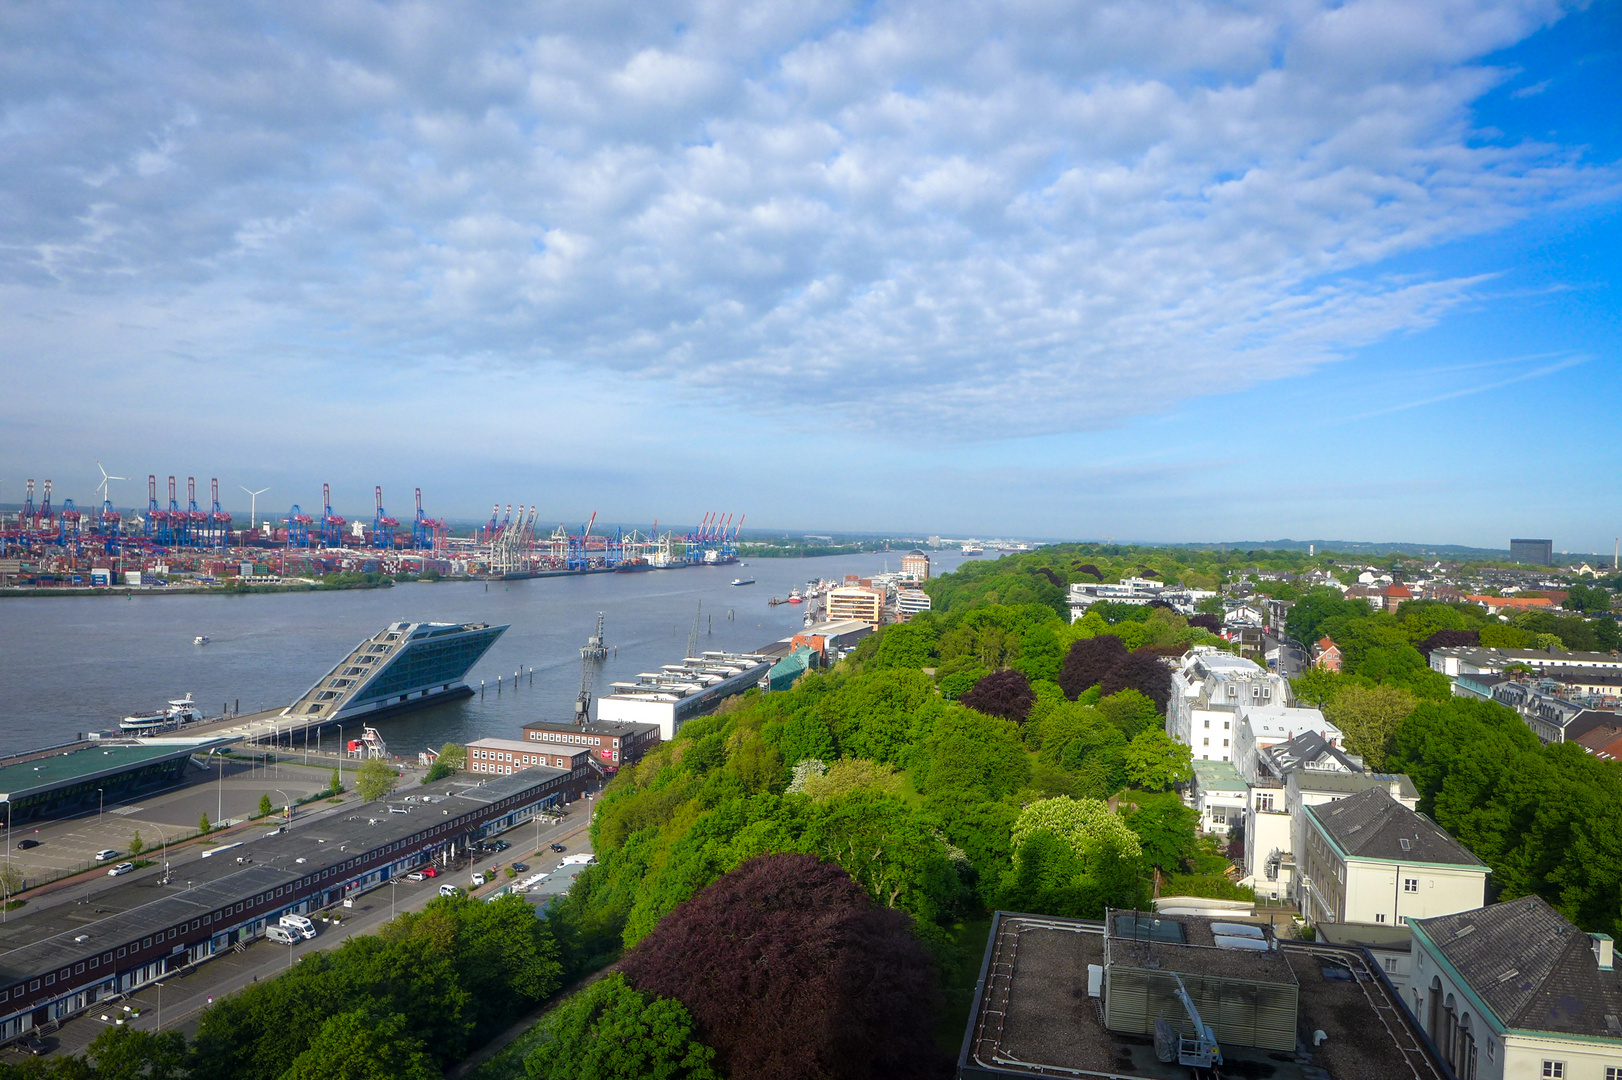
(1177, 272)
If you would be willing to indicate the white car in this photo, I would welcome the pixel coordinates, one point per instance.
(105, 854)
(121, 868)
(479, 879)
(449, 890)
(282, 935)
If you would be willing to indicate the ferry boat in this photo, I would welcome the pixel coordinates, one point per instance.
(970, 549)
(179, 712)
(743, 581)
(794, 597)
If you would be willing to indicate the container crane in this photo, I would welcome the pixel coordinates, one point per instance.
(332, 525)
(46, 521)
(383, 526)
(298, 527)
(175, 532)
(196, 520)
(29, 518)
(425, 531)
(219, 520)
(156, 525)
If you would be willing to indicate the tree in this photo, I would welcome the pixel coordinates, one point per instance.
(1141, 671)
(11, 880)
(610, 1031)
(1005, 693)
(1369, 716)
(1156, 762)
(358, 1045)
(203, 825)
(852, 774)
(789, 969)
(1449, 639)
(374, 779)
(451, 759)
(1165, 829)
(1088, 661)
(1072, 857)
(1086, 825)
(124, 1053)
(1317, 686)
(1587, 598)
(335, 784)
(137, 845)
(266, 807)
(1130, 711)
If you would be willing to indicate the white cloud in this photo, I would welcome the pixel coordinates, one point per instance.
(907, 217)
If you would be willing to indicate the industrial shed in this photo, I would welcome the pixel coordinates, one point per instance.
(1243, 987)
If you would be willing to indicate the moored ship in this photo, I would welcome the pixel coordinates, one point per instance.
(178, 713)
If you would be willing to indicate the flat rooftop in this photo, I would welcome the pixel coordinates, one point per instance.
(1032, 1016)
(88, 760)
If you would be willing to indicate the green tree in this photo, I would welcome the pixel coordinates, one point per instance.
(266, 807)
(203, 825)
(1317, 686)
(374, 779)
(124, 1053)
(359, 1045)
(1130, 711)
(1165, 829)
(609, 1031)
(335, 784)
(1155, 762)
(1369, 716)
(1086, 825)
(451, 759)
(853, 774)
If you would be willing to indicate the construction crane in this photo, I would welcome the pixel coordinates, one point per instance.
(592, 653)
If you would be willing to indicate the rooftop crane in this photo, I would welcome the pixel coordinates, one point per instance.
(1199, 1050)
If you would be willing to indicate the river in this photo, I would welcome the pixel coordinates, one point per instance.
(74, 664)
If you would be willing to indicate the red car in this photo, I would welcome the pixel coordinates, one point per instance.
(429, 871)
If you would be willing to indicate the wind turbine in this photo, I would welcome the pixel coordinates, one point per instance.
(105, 487)
(253, 507)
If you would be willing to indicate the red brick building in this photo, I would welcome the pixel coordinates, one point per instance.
(611, 743)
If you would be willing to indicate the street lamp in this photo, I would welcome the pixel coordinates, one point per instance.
(287, 801)
(101, 801)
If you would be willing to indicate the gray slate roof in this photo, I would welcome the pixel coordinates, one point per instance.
(1320, 780)
(1373, 825)
(1534, 969)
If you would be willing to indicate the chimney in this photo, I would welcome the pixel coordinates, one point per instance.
(1602, 950)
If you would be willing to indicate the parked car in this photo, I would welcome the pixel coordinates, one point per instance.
(416, 875)
(478, 878)
(121, 869)
(501, 845)
(36, 1046)
(520, 867)
(429, 871)
(106, 853)
(24, 845)
(281, 935)
(559, 847)
(449, 890)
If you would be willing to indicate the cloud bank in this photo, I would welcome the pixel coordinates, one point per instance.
(972, 220)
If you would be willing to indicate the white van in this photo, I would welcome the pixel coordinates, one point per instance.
(579, 858)
(449, 890)
(281, 935)
(299, 925)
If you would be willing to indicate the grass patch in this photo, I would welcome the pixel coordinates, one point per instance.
(13, 905)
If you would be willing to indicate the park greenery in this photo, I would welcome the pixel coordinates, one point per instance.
(375, 779)
(452, 759)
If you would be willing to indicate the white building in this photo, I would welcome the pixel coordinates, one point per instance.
(1515, 991)
(676, 693)
(1456, 660)
(1370, 859)
(1211, 690)
(1219, 795)
(909, 602)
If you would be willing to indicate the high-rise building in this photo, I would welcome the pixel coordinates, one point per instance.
(915, 566)
(856, 602)
(1535, 552)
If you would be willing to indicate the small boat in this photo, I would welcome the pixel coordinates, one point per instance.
(794, 597)
(968, 550)
(743, 581)
(200, 639)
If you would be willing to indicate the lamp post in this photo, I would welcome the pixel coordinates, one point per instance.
(165, 856)
(287, 801)
(101, 801)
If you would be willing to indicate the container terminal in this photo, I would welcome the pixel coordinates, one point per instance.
(45, 543)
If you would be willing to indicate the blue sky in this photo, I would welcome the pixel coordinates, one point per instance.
(1172, 272)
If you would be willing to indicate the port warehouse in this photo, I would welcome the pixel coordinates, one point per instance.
(676, 693)
(60, 781)
(68, 969)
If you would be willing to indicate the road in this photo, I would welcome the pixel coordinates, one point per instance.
(178, 1001)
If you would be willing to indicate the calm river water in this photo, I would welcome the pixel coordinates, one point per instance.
(74, 664)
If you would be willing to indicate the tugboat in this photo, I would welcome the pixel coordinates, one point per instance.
(794, 597)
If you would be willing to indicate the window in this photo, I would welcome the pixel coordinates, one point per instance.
(1410, 884)
(121, 952)
(106, 957)
(1208, 725)
(1207, 742)
(1554, 1070)
(1390, 963)
(1264, 802)
(1224, 742)
(1403, 842)
(50, 980)
(1379, 917)
(1612, 1072)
